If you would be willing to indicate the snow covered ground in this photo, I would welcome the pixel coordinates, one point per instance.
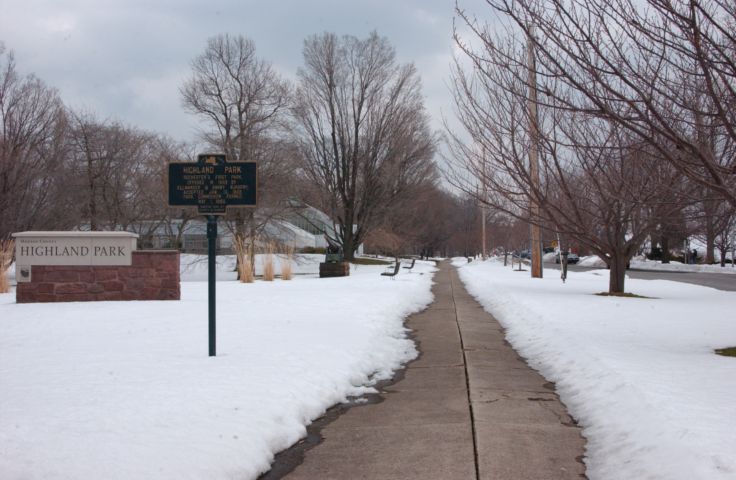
(640, 375)
(125, 390)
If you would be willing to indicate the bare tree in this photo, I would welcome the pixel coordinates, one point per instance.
(659, 69)
(240, 97)
(32, 129)
(364, 134)
(598, 181)
(712, 218)
(726, 238)
(409, 227)
(173, 221)
(243, 102)
(114, 166)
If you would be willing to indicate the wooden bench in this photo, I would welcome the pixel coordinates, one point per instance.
(395, 271)
(413, 261)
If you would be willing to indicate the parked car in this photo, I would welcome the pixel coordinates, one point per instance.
(572, 258)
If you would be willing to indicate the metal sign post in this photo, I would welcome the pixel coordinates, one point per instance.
(212, 185)
(211, 279)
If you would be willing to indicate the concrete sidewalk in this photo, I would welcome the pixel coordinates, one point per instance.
(467, 408)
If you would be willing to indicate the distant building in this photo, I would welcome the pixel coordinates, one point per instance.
(303, 227)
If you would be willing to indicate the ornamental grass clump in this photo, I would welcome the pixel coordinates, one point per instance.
(269, 272)
(243, 252)
(286, 268)
(6, 258)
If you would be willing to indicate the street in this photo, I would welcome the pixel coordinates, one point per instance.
(720, 281)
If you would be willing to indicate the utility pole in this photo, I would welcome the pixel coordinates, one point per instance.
(483, 208)
(536, 244)
(483, 225)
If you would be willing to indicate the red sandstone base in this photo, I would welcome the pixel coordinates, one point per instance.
(334, 269)
(153, 275)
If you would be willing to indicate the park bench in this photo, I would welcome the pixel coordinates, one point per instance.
(393, 273)
(413, 261)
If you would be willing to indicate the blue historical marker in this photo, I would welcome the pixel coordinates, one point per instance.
(212, 185)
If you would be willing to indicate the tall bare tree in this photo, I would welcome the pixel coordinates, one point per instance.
(659, 69)
(32, 129)
(113, 166)
(726, 238)
(243, 103)
(364, 135)
(598, 181)
(238, 95)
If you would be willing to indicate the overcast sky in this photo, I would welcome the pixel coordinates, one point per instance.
(125, 60)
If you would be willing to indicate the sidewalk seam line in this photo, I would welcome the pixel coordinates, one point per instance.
(467, 378)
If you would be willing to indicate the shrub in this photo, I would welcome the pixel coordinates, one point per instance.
(268, 269)
(286, 270)
(6, 258)
(243, 253)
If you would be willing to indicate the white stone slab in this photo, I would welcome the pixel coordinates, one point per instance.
(74, 248)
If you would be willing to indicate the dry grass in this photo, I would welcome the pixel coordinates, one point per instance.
(286, 264)
(6, 258)
(243, 252)
(269, 272)
(727, 352)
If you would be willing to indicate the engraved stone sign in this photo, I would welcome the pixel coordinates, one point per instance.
(72, 248)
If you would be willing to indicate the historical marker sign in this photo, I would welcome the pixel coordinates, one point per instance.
(213, 184)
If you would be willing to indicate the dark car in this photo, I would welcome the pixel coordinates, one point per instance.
(572, 258)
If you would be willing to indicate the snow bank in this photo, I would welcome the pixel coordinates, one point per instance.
(640, 375)
(125, 390)
(643, 264)
(592, 261)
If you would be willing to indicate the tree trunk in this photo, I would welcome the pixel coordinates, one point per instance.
(710, 234)
(92, 198)
(665, 243)
(617, 274)
(710, 248)
(723, 252)
(348, 247)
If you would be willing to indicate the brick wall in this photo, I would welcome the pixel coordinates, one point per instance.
(153, 275)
